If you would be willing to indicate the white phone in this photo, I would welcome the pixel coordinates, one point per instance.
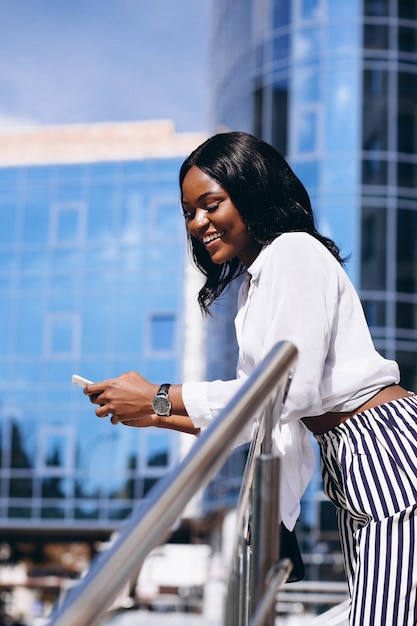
(80, 381)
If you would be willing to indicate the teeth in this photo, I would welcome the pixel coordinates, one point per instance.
(212, 237)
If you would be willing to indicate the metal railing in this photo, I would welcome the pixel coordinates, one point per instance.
(152, 519)
(256, 571)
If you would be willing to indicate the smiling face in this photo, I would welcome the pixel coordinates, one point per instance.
(213, 219)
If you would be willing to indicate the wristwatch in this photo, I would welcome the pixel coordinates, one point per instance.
(161, 403)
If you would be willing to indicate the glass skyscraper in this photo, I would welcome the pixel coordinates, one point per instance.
(92, 266)
(333, 85)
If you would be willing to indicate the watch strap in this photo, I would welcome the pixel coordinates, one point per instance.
(163, 389)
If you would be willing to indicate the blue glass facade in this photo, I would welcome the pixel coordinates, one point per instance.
(91, 282)
(333, 85)
(298, 73)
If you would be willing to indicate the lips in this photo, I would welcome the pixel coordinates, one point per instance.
(212, 237)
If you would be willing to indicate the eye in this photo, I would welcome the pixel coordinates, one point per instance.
(188, 215)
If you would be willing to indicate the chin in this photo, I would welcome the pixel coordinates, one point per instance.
(219, 260)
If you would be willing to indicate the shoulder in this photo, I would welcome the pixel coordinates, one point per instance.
(299, 259)
(300, 247)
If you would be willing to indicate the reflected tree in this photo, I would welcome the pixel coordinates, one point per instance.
(52, 486)
(20, 486)
(19, 457)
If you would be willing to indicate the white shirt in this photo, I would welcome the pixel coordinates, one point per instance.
(296, 291)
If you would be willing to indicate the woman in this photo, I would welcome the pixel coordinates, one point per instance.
(246, 211)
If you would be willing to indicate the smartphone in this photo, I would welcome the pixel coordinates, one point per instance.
(80, 381)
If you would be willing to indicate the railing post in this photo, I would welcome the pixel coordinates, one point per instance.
(245, 587)
(266, 534)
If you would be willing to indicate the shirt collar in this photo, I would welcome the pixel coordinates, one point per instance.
(254, 270)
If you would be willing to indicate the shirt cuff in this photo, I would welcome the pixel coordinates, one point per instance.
(194, 396)
(205, 400)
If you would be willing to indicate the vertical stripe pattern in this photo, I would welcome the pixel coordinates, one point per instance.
(369, 467)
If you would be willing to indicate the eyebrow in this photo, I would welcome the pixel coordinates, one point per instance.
(202, 197)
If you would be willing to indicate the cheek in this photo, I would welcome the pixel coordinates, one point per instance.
(189, 228)
(243, 233)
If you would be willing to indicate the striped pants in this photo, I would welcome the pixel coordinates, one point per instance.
(369, 467)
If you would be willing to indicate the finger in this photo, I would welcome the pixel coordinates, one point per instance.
(94, 398)
(94, 388)
(114, 420)
(102, 411)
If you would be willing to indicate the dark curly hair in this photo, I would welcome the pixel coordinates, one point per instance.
(269, 197)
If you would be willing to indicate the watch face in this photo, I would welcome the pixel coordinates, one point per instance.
(161, 405)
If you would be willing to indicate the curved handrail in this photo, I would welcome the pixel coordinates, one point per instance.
(152, 519)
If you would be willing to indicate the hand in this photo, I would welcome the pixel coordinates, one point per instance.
(128, 399)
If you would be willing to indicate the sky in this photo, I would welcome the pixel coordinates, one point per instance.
(83, 61)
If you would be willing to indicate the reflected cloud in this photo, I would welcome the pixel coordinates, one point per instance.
(343, 96)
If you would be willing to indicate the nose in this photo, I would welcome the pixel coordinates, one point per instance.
(201, 218)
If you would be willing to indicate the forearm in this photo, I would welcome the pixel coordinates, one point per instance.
(178, 419)
(181, 423)
(177, 402)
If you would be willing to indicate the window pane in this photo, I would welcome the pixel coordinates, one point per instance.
(55, 449)
(100, 212)
(310, 9)
(341, 122)
(407, 96)
(407, 9)
(68, 225)
(34, 261)
(342, 38)
(376, 37)
(7, 221)
(306, 131)
(67, 222)
(373, 253)
(162, 332)
(375, 312)
(375, 111)
(338, 9)
(406, 251)
(407, 174)
(157, 450)
(308, 173)
(281, 15)
(62, 333)
(22, 446)
(306, 85)
(55, 487)
(166, 219)
(407, 363)
(7, 262)
(281, 48)
(407, 315)
(30, 321)
(257, 111)
(407, 39)
(306, 44)
(376, 7)
(374, 171)
(280, 116)
(36, 223)
(21, 487)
